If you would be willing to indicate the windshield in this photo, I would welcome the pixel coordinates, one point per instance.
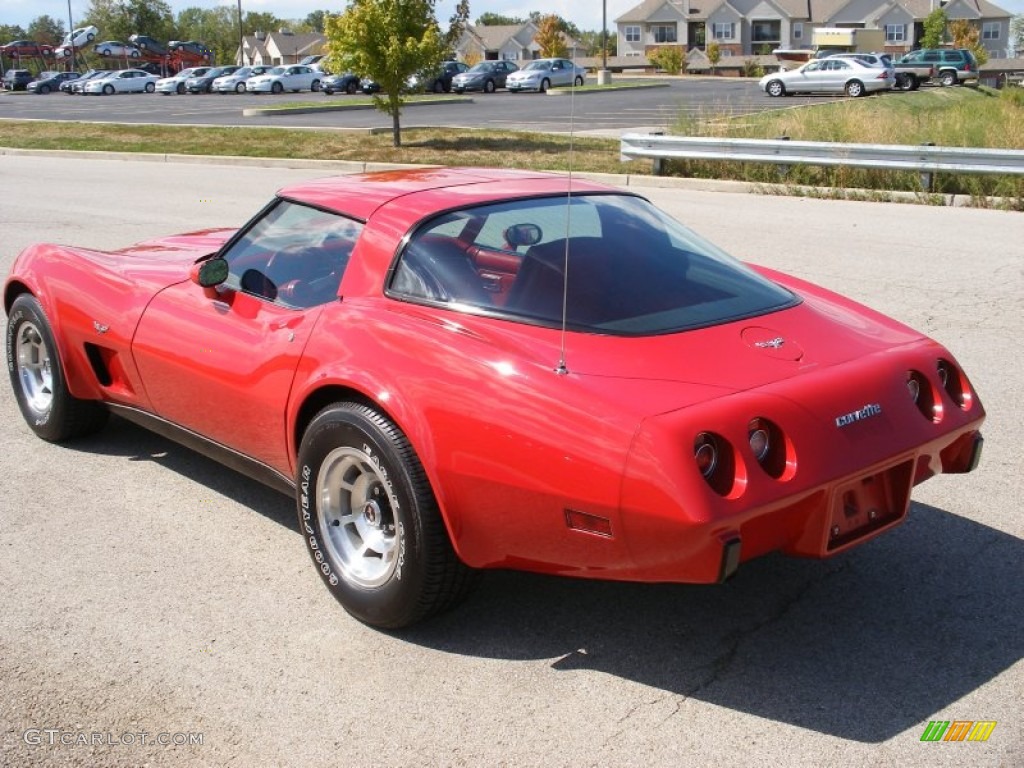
(275, 71)
(483, 66)
(537, 65)
(632, 269)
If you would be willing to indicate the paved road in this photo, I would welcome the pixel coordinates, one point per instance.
(613, 111)
(148, 590)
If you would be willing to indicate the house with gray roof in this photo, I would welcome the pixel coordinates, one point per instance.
(282, 47)
(749, 27)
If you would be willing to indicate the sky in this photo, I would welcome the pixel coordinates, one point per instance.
(586, 14)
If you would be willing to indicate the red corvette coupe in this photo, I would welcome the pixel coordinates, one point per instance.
(454, 370)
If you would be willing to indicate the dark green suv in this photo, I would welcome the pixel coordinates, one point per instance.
(952, 65)
(16, 79)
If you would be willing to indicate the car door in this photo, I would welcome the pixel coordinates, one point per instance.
(221, 362)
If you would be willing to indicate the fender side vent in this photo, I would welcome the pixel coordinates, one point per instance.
(99, 365)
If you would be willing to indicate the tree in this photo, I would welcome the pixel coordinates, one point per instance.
(714, 53)
(497, 20)
(967, 35)
(1017, 33)
(120, 19)
(216, 27)
(550, 37)
(45, 29)
(668, 58)
(12, 32)
(389, 41)
(590, 43)
(934, 29)
(566, 26)
(315, 21)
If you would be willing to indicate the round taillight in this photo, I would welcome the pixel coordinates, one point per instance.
(760, 440)
(705, 452)
(924, 396)
(954, 383)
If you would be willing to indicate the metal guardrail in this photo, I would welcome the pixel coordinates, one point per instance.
(924, 159)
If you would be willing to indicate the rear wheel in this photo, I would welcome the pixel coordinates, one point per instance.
(776, 88)
(905, 81)
(854, 88)
(315, 86)
(578, 80)
(37, 375)
(948, 78)
(371, 522)
(150, 87)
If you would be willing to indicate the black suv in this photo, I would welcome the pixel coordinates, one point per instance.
(952, 65)
(16, 79)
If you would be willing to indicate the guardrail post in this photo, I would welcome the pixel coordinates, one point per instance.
(782, 168)
(926, 177)
(658, 164)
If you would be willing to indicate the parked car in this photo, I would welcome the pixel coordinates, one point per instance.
(68, 85)
(18, 48)
(80, 37)
(951, 65)
(440, 82)
(484, 76)
(315, 61)
(831, 75)
(881, 60)
(117, 49)
(369, 86)
(16, 79)
(51, 81)
(122, 81)
(294, 77)
(203, 83)
(75, 87)
(149, 45)
(235, 81)
(541, 74)
(343, 83)
(176, 83)
(603, 394)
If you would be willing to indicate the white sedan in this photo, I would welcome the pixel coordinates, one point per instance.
(292, 77)
(541, 74)
(235, 82)
(849, 76)
(123, 81)
(176, 83)
(117, 49)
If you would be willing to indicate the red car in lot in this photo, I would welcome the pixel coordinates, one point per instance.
(456, 369)
(18, 48)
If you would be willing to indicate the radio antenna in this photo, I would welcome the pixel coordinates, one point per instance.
(563, 367)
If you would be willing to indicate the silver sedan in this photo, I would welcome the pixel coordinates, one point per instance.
(832, 75)
(541, 74)
(123, 81)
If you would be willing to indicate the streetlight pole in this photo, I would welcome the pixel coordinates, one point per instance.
(241, 47)
(71, 37)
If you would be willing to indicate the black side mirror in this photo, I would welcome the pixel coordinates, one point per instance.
(210, 273)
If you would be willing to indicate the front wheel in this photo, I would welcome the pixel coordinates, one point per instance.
(854, 88)
(370, 520)
(276, 88)
(350, 89)
(240, 88)
(44, 89)
(37, 375)
(544, 85)
(108, 89)
(776, 88)
(488, 87)
(180, 88)
(438, 86)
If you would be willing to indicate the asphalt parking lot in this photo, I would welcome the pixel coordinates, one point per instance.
(618, 110)
(150, 591)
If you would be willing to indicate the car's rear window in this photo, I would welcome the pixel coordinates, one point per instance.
(632, 270)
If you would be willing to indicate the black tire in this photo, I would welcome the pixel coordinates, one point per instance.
(438, 86)
(180, 88)
(37, 375)
(352, 87)
(150, 87)
(948, 78)
(488, 86)
(906, 81)
(544, 85)
(240, 88)
(276, 88)
(108, 90)
(578, 81)
(854, 88)
(775, 88)
(377, 539)
(44, 89)
(315, 86)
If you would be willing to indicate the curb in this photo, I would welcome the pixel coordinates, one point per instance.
(272, 111)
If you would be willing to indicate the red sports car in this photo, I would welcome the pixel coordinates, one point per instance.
(457, 369)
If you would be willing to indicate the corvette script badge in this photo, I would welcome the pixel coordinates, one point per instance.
(775, 343)
(869, 410)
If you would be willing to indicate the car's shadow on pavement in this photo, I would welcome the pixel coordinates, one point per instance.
(863, 646)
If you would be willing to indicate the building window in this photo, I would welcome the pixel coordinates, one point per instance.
(990, 30)
(633, 54)
(765, 31)
(895, 33)
(664, 33)
(723, 30)
(632, 34)
(798, 31)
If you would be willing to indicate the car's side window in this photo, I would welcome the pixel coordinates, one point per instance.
(293, 255)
